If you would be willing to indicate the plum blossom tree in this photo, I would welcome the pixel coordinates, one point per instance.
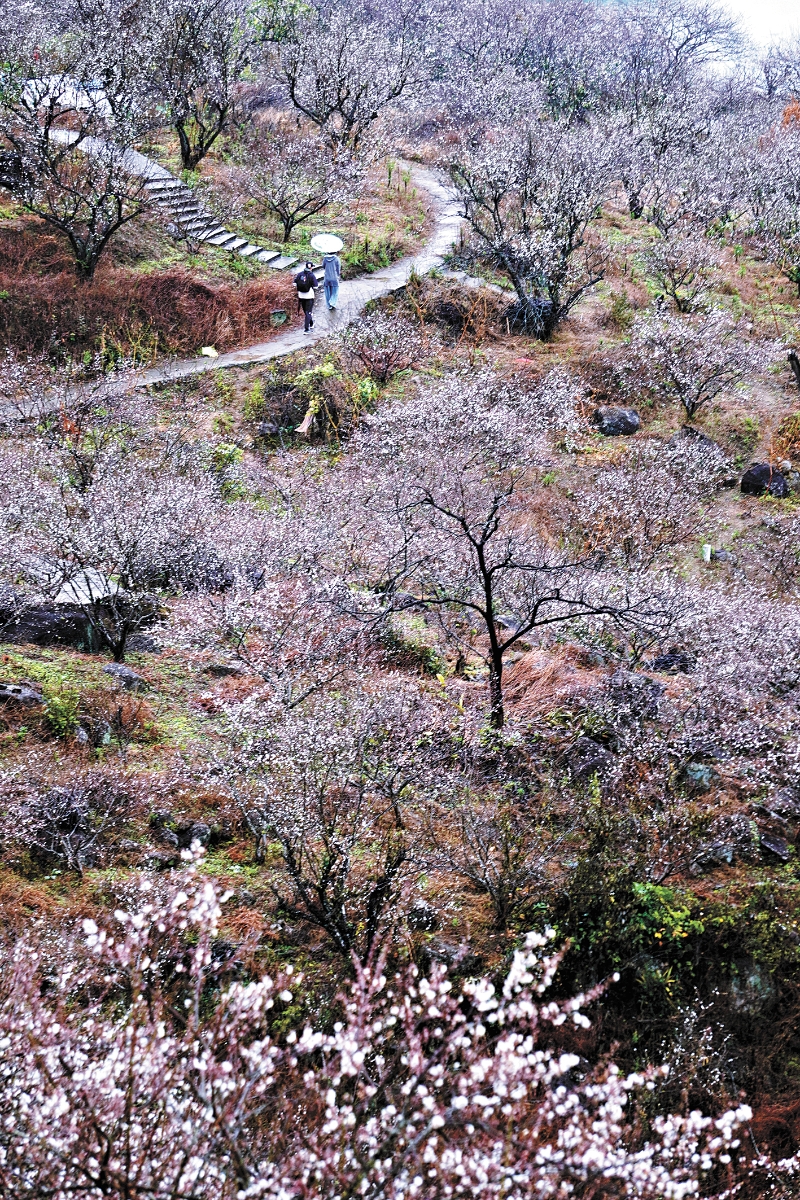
(441, 518)
(343, 64)
(457, 1086)
(775, 201)
(107, 550)
(693, 360)
(530, 194)
(199, 51)
(649, 502)
(69, 139)
(384, 343)
(330, 784)
(293, 174)
(683, 265)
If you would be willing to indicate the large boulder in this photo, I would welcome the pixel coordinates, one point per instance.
(587, 758)
(762, 478)
(616, 422)
(20, 694)
(125, 677)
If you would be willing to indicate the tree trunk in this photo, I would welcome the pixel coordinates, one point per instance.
(190, 155)
(497, 714)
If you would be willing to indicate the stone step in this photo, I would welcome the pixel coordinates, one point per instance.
(202, 221)
(182, 209)
(222, 239)
(280, 264)
(248, 250)
(212, 232)
(237, 243)
(267, 256)
(165, 186)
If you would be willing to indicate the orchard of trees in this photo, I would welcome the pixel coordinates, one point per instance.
(399, 735)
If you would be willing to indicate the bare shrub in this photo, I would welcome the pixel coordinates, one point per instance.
(650, 500)
(70, 825)
(171, 310)
(384, 343)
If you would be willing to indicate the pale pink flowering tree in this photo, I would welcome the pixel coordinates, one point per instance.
(422, 1087)
(692, 361)
(436, 513)
(530, 193)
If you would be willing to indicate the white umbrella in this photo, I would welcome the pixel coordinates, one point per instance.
(327, 243)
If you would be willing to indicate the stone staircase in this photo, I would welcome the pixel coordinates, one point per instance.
(195, 222)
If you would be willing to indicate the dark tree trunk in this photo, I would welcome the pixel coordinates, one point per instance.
(497, 714)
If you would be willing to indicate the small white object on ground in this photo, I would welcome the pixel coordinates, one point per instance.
(209, 352)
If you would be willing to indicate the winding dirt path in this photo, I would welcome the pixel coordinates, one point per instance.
(353, 294)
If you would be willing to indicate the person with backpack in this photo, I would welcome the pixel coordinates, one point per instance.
(333, 273)
(305, 282)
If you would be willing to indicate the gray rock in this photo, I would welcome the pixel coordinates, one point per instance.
(635, 696)
(731, 838)
(20, 694)
(192, 831)
(775, 845)
(587, 757)
(508, 622)
(698, 776)
(616, 422)
(125, 677)
(760, 479)
(792, 478)
(752, 988)
(784, 804)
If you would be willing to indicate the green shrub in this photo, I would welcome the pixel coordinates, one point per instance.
(61, 713)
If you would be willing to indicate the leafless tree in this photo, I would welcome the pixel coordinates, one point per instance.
(199, 50)
(449, 482)
(530, 195)
(71, 111)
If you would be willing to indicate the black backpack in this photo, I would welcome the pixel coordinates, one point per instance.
(305, 281)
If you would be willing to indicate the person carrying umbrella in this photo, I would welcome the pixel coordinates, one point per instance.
(329, 244)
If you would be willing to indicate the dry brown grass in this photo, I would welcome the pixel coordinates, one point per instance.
(543, 680)
(45, 308)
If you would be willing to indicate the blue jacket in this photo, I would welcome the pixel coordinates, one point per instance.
(333, 268)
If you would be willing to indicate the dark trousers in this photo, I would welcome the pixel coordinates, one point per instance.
(307, 307)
